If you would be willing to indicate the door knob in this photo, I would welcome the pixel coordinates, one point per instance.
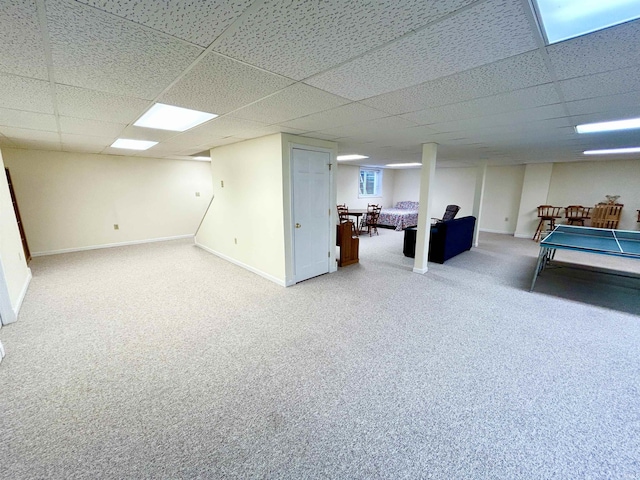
(298, 225)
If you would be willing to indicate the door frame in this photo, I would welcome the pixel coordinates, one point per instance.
(289, 223)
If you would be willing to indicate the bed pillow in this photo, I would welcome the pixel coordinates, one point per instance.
(406, 205)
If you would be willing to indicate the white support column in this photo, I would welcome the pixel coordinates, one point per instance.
(427, 176)
(481, 176)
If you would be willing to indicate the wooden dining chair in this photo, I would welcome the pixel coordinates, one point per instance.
(606, 215)
(369, 222)
(577, 214)
(546, 213)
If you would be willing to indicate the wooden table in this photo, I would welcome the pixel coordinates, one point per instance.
(357, 213)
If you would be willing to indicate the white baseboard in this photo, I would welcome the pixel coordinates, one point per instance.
(243, 265)
(2, 353)
(523, 235)
(488, 230)
(110, 245)
(23, 292)
(421, 271)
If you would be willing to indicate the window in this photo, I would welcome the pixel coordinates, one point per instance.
(564, 19)
(370, 182)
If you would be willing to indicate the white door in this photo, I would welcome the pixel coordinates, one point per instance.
(311, 218)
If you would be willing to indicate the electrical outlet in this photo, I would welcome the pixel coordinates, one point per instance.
(116, 226)
(197, 194)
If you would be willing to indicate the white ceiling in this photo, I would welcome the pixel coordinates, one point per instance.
(379, 77)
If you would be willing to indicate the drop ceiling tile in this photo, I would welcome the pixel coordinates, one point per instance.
(609, 49)
(143, 133)
(221, 127)
(37, 145)
(295, 101)
(95, 50)
(622, 113)
(493, 30)
(182, 142)
(270, 130)
(28, 94)
(197, 22)
(344, 115)
(219, 84)
(513, 73)
(372, 128)
(611, 103)
(15, 134)
(325, 33)
(505, 102)
(552, 113)
(30, 120)
(80, 148)
(72, 140)
(21, 48)
(602, 84)
(93, 105)
(96, 128)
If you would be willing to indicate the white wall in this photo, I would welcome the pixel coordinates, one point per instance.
(14, 273)
(348, 186)
(71, 201)
(535, 189)
(502, 191)
(406, 185)
(249, 208)
(587, 183)
(454, 186)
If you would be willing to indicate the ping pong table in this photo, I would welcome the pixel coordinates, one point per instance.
(619, 243)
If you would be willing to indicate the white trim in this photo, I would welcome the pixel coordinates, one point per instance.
(110, 245)
(23, 292)
(7, 314)
(332, 261)
(523, 235)
(2, 352)
(489, 230)
(243, 265)
(421, 271)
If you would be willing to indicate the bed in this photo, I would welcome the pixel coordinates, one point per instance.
(403, 215)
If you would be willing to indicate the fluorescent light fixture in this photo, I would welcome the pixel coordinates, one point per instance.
(351, 157)
(202, 158)
(613, 151)
(403, 165)
(168, 117)
(565, 19)
(609, 126)
(133, 144)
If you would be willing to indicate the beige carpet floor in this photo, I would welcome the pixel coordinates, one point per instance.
(163, 361)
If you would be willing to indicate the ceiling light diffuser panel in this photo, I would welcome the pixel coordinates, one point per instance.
(168, 117)
(565, 19)
(131, 144)
(628, 124)
(351, 157)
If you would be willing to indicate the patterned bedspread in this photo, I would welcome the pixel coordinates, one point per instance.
(400, 218)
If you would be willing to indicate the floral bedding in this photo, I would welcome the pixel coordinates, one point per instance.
(403, 215)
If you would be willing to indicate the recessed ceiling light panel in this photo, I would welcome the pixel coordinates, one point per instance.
(130, 144)
(351, 157)
(403, 164)
(204, 159)
(168, 117)
(565, 19)
(613, 151)
(627, 124)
